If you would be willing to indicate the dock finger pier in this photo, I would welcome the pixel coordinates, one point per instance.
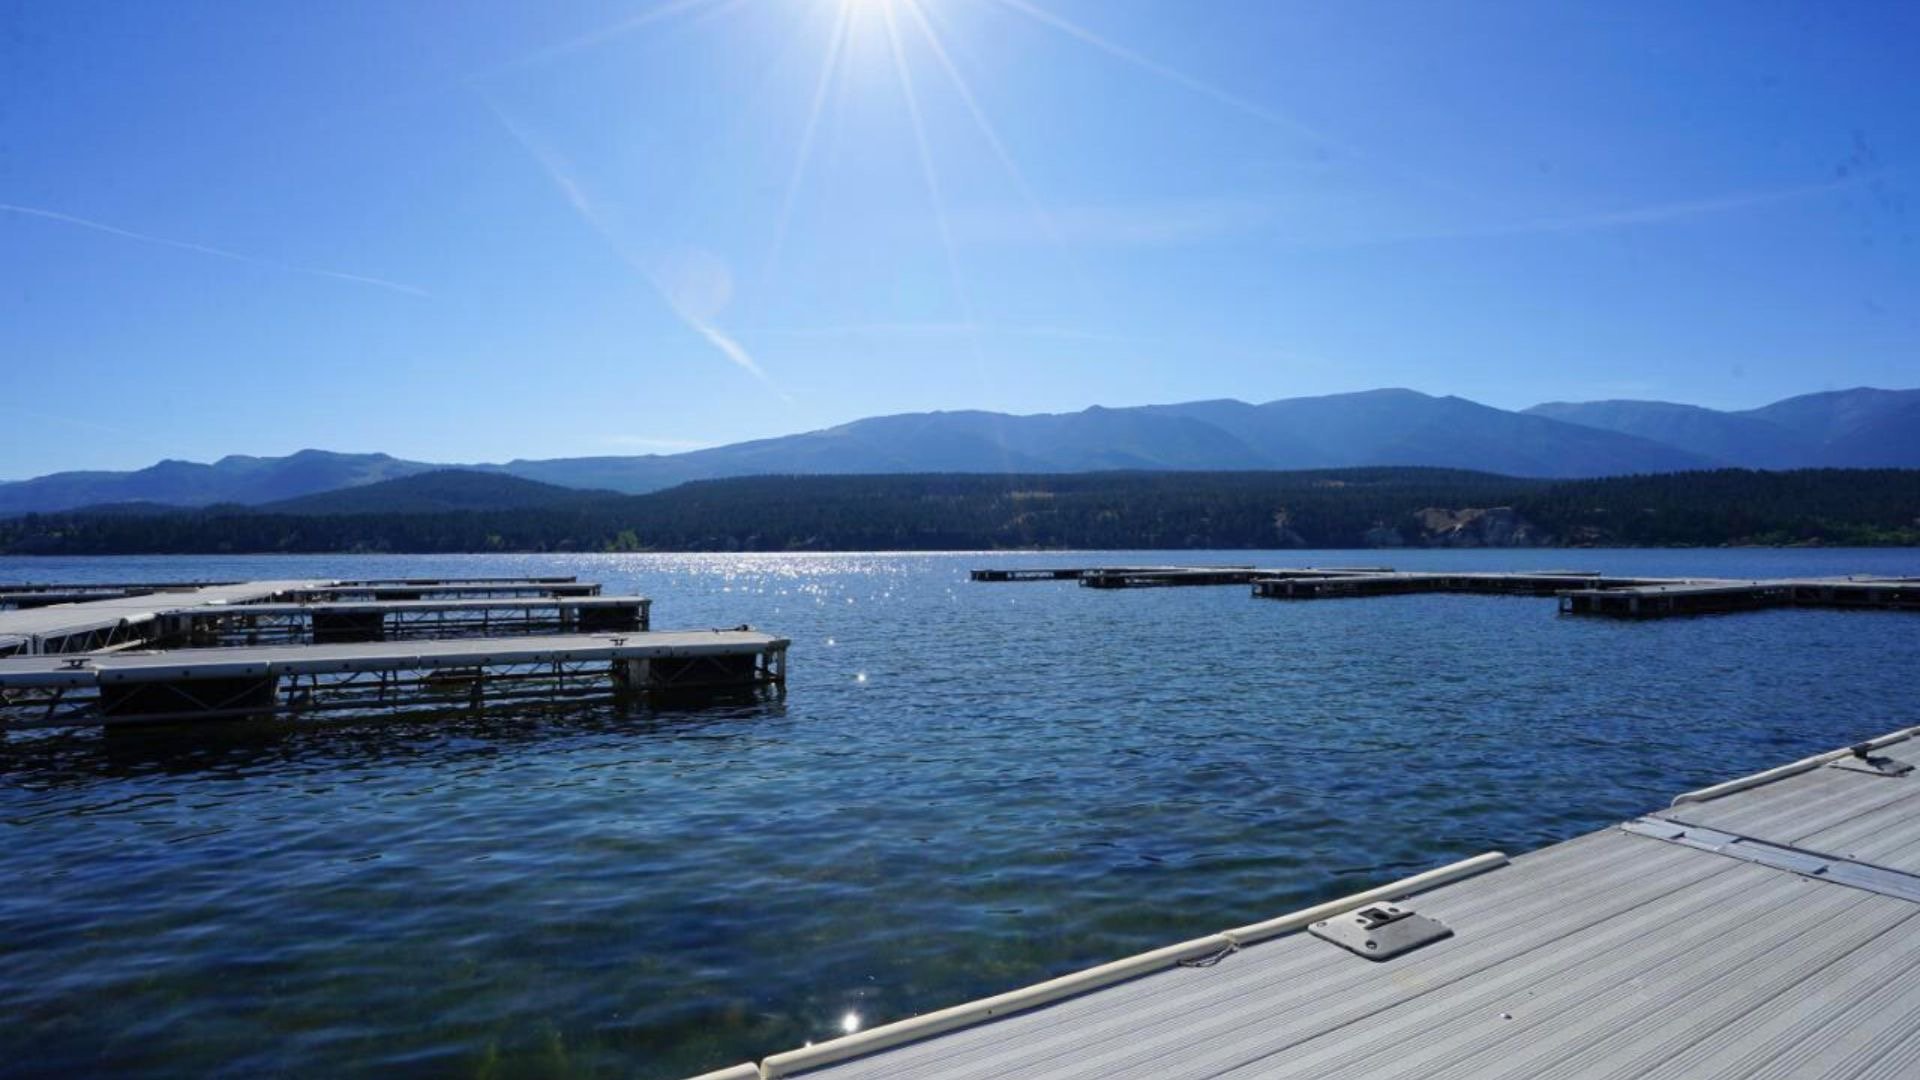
(76, 654)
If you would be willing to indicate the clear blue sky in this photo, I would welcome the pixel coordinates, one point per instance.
(474, 230)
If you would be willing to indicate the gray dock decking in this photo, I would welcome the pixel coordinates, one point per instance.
(1613, 955)
(118, 620)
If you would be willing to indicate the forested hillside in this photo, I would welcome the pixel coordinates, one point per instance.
(1321, 508)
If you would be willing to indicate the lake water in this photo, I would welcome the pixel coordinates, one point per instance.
(967, 788)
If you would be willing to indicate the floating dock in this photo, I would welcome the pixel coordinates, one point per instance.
(1392, 583)
(396, 620)
(42, 594)
(1168, 577)
(122, 621)
(123, 615)
(447, 589)
(1765, 927)
(1076, 573)
(1581, 592)
(210, 684)
(1173, 576)
(1052, 573)
(1706, 597)
(198, 652)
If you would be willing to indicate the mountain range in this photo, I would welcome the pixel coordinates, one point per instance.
(1846, 428)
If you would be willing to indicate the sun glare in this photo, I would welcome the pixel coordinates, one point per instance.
(862, 42)
(866, 8)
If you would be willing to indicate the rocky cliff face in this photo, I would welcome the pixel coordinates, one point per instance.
(1284, 534)
(1497, 526)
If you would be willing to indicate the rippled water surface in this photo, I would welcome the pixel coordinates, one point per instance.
(966, 788)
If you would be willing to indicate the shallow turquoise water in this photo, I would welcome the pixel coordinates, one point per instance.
(967, 788)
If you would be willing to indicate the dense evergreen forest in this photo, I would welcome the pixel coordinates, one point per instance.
(1375, 507)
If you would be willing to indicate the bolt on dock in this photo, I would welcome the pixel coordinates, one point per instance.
(1767, 926)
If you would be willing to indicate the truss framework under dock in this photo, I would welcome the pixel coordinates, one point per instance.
(394, 620)
(215, 683)
(1765, 927)
(127, 615)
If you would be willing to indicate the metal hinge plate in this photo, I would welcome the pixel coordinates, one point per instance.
(1381, 931)
(1815, 865)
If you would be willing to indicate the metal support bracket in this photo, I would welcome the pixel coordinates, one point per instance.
(1864, 760)
(1381, 931)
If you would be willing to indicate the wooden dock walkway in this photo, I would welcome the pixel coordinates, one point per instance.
(1767, 927)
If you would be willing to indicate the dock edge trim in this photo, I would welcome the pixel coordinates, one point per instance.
(1300, 920)
(746, 1070)
(969, 1014)
(1781, 772)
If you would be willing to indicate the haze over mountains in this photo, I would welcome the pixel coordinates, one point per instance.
(1862, 428)
(1847, 428)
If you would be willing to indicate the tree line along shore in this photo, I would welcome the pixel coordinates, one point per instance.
(451, 511)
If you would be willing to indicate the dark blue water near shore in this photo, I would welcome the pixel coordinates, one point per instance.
(967, 788)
